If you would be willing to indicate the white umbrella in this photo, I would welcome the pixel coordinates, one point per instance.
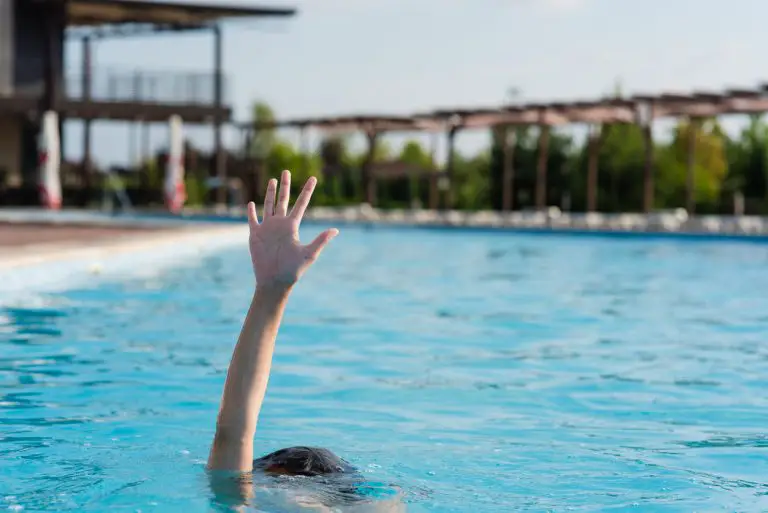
(49, 154)
(175, 193)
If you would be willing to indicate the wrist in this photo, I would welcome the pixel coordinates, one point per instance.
(273, 291)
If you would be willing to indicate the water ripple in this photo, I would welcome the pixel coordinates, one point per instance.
(508, 373)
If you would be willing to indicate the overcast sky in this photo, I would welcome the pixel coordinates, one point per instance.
(401, 56)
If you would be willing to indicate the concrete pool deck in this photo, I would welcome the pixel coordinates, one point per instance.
(75, 256)
(27, 244)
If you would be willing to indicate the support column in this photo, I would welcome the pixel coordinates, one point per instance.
(434, 193)
(253, 167)
(218, 100)
(369, 181)
(86, 86)
(648, 182)
(145, 141)
(146, 156)
(7, 48)
(541, 168)
(594, 141)
(450, 163)
(304, 148)
(644, 114)
(54, 23)
(509, 142)
(433, 198)
(690, 179)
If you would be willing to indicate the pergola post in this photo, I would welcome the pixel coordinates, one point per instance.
(450, 164)
(86, 86)
(509, 141)
(690, 179)
(595, 139)
(304, 148)
(369, 181)
(434, 194)
(645, 117)
(218, 100)
(541, 166)
(145, 141)
(252, 166)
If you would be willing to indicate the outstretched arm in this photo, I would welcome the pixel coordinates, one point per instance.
(279, 260)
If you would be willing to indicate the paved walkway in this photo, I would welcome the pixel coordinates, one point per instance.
(30, 244)
(26, 234)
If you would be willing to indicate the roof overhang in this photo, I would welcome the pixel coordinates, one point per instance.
(118, 12)
(126, 17)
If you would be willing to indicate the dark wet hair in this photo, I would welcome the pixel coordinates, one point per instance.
(303, 461)
(333, 480)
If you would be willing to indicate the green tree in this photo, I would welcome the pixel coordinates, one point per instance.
(283, 155)
(471, 186)
(621, 167)
(748, 164)
(709, 170)
(401, 191)
(262, 140)
(415, 154)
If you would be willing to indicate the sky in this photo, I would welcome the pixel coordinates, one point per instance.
(404, 56)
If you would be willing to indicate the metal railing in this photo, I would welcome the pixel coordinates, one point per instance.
(116, 85)
(142, 86)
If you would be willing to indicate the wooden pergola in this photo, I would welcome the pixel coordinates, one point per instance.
(641, 109)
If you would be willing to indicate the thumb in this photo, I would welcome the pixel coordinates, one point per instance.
(314, 248)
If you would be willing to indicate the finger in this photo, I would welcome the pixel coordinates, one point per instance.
(314, 248)
(281, 209)
(302, 202)
(269, 199)
(253, 219)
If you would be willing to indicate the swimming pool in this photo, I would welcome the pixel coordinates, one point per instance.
(479, 371)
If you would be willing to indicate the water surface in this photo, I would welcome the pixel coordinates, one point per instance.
(479, 372)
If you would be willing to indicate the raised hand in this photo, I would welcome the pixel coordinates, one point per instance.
(279, 259)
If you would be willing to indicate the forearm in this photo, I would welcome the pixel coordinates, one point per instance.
(246, 382)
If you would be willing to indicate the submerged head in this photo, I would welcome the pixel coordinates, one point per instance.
(303, 461)
(333, 481)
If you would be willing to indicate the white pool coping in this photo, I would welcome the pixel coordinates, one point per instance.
(27, 273)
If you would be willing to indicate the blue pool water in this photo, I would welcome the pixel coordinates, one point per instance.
(478, 372)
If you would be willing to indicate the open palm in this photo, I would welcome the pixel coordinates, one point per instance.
(279, 259)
